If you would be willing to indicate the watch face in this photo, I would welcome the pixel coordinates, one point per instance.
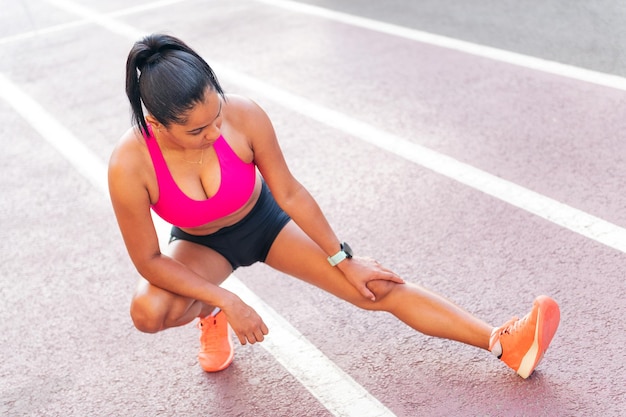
(347, 249)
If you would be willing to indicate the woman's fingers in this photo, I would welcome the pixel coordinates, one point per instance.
(254, 335)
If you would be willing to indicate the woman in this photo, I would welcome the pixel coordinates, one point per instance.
(210, 164)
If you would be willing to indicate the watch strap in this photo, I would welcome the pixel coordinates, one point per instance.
(345, 252)
(338, 257)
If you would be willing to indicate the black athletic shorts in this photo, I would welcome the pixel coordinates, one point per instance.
(249, 240)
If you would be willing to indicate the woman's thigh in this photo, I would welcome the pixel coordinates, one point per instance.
(154, 303)
(204, 261)
(295, 253)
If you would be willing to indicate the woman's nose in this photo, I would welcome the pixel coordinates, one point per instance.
(214, 131)
(213, 134)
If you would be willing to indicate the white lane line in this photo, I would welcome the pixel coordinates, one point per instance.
(43, 31)
(539, 64)
(552, 210)
(98, 18)
(82, 22)
(72, 149)
(337, 391)
(563, 70)
(144, 7)
(561, 214)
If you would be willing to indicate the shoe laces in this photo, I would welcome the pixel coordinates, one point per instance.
(210, 338)
(510, 326)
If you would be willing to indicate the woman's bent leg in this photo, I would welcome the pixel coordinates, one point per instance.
(154, 309)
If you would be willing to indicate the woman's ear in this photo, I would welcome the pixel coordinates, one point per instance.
(153, 122)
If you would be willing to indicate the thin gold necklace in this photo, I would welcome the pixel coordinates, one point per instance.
(186, 160)
(195, 162)
(169, 151)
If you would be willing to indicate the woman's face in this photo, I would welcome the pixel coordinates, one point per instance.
(202, 126)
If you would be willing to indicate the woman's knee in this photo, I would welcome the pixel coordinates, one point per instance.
(381, 290)
(146, 316)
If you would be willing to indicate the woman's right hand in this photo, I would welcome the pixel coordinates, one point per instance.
(245, 322)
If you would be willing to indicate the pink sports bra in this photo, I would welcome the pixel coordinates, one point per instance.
(236, 186)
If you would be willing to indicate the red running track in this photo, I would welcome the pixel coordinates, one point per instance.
(68, 345)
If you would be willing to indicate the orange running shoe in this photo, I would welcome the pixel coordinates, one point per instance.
(521, 343)
(216, 344)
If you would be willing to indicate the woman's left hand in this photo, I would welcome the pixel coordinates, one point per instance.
(359, 271)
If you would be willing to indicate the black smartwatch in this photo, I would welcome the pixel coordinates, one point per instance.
(345, 252)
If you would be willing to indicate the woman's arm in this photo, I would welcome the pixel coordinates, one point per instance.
(298, 202)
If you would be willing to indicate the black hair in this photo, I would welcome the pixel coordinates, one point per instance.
(168, 78)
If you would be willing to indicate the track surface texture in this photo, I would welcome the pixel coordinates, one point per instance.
(476, 148)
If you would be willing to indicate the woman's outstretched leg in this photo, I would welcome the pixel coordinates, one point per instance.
(294, 253)
(519, 343)
(429, 313)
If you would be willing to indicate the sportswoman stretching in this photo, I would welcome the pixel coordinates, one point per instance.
(210, 164)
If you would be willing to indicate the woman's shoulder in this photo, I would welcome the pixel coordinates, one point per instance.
(244, 113)
(129, 152)
(130, 170)
(238, 102)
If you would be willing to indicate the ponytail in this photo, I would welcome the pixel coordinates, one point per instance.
(134, 64)
(166, 77)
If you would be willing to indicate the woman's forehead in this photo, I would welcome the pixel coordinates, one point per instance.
(208, 108)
